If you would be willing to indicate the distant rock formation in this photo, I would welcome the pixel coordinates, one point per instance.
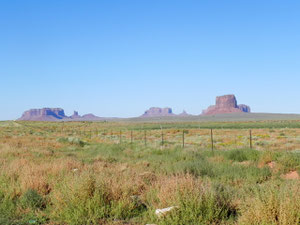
(56, 114)
(244, 108)
(163, 112)
(91, 117)
(226, 104)
(184, 113)
(158, 112)
(45, 114)
(75, 115)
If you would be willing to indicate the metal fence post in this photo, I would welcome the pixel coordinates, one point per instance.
(183, 139)
(250, 139)
(162, 138)
(145, 137)
(212, 139)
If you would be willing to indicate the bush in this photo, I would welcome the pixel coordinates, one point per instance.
(7, 209)
(32, 199)
(261, 143)
(272, 204)
(72, 140)
(198, 168)
(290, 161)
(251, 174)
(242, 155)
(210, 205)
(86, 200)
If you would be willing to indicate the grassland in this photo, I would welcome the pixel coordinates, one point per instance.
(121, 172)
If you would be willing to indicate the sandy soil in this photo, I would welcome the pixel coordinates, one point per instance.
(292, 175)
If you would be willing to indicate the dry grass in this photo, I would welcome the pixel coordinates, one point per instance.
(276, 204)
(95, 183)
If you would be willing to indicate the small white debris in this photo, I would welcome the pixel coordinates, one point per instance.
(74, 170)
(162, 212)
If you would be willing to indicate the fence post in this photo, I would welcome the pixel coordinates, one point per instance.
(250, 139)
(162, 138)
(212, 139)
(131, 137)
(120, 138)
(145, 137)
(183, 139)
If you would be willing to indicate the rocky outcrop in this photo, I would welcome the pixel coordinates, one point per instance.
(45, 114)
(226, 104)
(163, 112)
(184, 113)
(75, 115)
(90, 117)
(158, 112)
(56, 114)
(244, 108)
(226, 101)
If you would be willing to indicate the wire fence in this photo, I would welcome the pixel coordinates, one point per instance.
(267, 139)
(167, 138)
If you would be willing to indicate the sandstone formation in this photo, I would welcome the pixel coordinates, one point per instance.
(90, 117)
(184, 113)
(45, 114)
(75, 115)
(56, 114)
(158, 112)
(226, 104)
(163, 112)
(244, 108)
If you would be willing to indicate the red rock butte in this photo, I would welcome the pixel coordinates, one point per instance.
(55, 114)
(157, 112)
(226, 104)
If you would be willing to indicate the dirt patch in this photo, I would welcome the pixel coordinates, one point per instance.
(292, 175)
(271, 165)
(245, 163)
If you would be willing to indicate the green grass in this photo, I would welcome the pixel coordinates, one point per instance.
(241, 155)
(212, 206)
(52, 177)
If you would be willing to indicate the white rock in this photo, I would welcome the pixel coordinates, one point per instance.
(162, 212)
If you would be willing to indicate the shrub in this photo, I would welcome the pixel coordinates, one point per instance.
(282, 134)
(72, 140)
(198, 168)
(7, 209)
(251, 174)
(32, 199)
(125, 209)
(272, 204)
(237, 155)
(86, 200)
(205, 205)
(290, 161)
(261, 143)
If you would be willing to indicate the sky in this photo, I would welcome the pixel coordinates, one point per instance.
(120, 57)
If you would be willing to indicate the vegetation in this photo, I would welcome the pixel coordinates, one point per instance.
(81, 173)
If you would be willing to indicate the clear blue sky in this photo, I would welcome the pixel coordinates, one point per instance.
(120, 57)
